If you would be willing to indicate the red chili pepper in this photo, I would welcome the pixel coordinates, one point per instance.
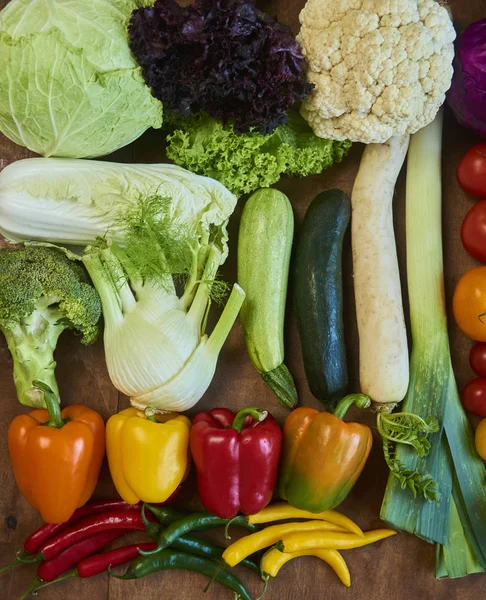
(47, 531)
(51, 569)
(91, 565)
(34, 541)
(98, 563)
(236, 458)
(116, 520)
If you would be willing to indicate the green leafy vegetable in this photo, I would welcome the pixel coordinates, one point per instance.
(156, 348)
(407, 428)
(43, 291)
(223, 57)
(246, 162)
(69, 84)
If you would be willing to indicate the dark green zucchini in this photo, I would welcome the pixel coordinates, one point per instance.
(318, 295)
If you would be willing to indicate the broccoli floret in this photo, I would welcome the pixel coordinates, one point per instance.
(42, 293)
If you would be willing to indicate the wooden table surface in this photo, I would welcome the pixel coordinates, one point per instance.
(402, 567)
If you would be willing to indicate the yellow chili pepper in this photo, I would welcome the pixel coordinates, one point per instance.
(480, 439)
(281, 511)
(274, 560)
(249, 544)
(304, 540)
(148, 458)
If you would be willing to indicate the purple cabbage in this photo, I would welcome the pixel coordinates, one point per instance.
(223, 57)
(467, 96)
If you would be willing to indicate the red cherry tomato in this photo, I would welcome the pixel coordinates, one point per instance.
(477, 359)
(471, 172)
(474, 397)
(473, 231)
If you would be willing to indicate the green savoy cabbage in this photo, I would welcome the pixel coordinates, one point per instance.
(69, 86)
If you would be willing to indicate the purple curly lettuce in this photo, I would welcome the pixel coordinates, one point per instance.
(467, 96)
(223, 57)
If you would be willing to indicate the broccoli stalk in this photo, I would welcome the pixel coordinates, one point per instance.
(43, 291)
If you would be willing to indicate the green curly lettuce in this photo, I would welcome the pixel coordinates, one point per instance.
(246, 162)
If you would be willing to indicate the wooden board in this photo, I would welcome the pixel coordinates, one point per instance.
(402, 567)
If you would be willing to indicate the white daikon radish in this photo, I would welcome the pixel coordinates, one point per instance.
(383, 349)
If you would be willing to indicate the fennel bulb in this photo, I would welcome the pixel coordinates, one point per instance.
(75, 201)
(157, 351)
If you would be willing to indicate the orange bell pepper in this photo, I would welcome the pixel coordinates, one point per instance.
(322, 455)
(56, 456)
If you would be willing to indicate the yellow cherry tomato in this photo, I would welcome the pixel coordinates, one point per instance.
(480, 439)
(469, 304)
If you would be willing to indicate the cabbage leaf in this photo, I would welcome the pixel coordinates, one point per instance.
(69, 84)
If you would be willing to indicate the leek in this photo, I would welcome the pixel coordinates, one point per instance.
(454, 520)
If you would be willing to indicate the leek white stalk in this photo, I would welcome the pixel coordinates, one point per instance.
(452, 461)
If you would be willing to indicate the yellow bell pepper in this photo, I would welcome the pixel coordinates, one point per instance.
(148, 456)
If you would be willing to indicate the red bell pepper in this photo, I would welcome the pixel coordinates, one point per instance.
(236, 459)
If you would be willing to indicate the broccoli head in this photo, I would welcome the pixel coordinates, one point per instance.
(43, 291)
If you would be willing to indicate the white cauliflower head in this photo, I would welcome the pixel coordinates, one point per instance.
(380, 67)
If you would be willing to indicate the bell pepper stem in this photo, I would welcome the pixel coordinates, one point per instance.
(359, 400)
(256, 413)
(52, 404)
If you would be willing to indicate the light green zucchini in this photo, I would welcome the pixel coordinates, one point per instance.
(264, 247)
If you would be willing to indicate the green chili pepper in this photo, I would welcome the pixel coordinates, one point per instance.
(187, 543)
(194, 545)
(195, 522)
(206, 549)
(171, 559)
(165, 514)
